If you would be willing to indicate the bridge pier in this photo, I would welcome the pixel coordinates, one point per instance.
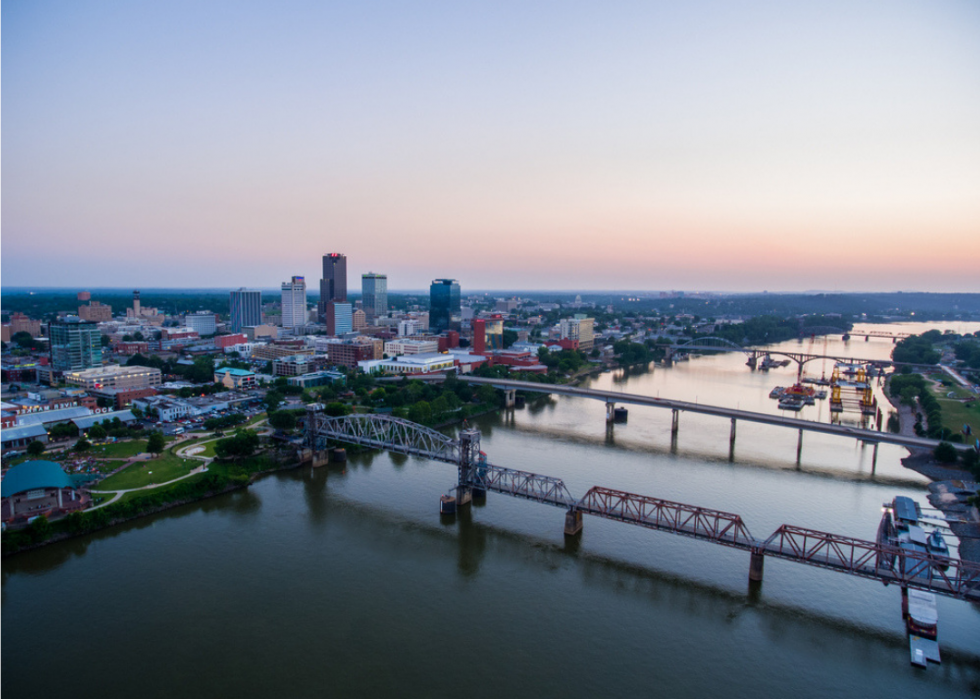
(464, 495)
(799, 446)
(674, 422)
(874, 459)
(610, 411)
(756, 563)
(668, 357)
(573, 522)
(731, 437)
(510, 397)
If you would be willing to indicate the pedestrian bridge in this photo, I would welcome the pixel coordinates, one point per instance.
(875, 560)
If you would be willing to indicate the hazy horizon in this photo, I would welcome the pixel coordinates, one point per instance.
(536, 146)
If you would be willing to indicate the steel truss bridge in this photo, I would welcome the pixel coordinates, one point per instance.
(874, 560)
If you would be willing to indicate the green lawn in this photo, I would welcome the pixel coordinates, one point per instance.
(121, 450)
(160, 470)
(956, 413)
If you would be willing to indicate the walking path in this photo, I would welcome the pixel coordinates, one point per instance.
(189, 451)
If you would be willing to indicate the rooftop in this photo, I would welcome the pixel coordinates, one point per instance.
(233, 371)
(32, 475)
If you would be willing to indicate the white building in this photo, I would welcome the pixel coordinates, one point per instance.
(294, 303)
(394, 348)
(413, 364)
(407, 328)
(202, 321)
(579, 328)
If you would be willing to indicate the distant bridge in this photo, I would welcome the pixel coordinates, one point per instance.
(873, 560)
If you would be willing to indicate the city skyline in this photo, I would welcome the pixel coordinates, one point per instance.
(645, 147)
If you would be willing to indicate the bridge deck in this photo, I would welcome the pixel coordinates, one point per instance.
(717, 410)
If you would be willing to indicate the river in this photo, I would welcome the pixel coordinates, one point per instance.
(344, 581)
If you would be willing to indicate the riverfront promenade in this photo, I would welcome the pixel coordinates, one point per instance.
(613, 397)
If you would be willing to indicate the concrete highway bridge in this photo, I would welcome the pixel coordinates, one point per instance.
(873, 560)
(613, 398)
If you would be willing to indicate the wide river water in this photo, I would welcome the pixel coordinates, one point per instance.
(346, 581)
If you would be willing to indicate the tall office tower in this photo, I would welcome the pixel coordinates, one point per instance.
(374, 295)
(246, 309)
(443, 304)
(294, 303)
(333, 284)
(339, 318)
(75, 344)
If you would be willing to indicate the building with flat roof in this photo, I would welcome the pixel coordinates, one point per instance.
(203, 322)
(294, 303)
(339, 318)
(75, 344)
(235, 379)
(415, 364)
(114, 376)
(374, 295)
(393, 348)
(297, 365)
(444, 304)
(580, 329)
(319, 378)
(333, 284)
(246, 309)
(349, 353)
(95, 312)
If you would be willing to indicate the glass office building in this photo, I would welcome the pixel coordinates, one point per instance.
(374, 295)
(246, 309)
(75, 344)
(443, 304)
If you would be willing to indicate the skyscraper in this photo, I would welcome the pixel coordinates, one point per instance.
(294, 303)
(333, 284)
(75, 344)
(374, 295)
(443, 304)
(246, 309)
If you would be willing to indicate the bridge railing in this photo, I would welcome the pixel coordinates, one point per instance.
(875, 560)
(699, 522)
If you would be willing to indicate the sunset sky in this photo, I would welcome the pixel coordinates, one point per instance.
(510, 144)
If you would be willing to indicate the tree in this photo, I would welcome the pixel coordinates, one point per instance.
(420, 412)
(137, 413)
(156, 443)
(272, 401)
(336, 409)
(282, 420)
(97, 432)
(242, 444)
(82, 445)
(23, 339)
(945, 453)
(35, 448)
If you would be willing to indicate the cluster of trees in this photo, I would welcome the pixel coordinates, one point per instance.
(968, 351)
(918, 348)
(946, 453)
(628, 352)
(908, 388)
(222, 421)
(240, 445)
(568, 361)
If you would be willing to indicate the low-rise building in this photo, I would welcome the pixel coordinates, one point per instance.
(235, 379)
(348, 354)
(298, 364)
(412, 365)
(394, 348)
(113, 376)
(319, 378)
(121, 397)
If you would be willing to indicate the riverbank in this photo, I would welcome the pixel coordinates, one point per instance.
(947, 482)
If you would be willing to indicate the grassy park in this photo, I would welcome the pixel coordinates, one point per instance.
(164, 468)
